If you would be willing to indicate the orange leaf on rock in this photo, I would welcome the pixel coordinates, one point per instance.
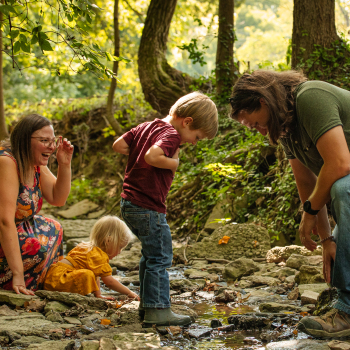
(304, 313)
(295, 332)
(224, 240)
(105, 321)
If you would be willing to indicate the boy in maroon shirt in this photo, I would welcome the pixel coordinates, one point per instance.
(153, 150)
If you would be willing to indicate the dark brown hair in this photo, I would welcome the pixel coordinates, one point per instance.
(276, 89)
(20, 140)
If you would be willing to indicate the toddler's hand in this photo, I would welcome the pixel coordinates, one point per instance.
(103, 297)
(133, 296)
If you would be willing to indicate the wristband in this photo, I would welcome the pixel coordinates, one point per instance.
(327, 238)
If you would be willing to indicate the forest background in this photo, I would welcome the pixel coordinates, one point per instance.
(238, 172)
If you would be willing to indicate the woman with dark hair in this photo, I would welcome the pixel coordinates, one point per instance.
(311, 120)
(30, 243)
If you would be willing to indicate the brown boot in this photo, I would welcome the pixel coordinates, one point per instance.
(334, 324)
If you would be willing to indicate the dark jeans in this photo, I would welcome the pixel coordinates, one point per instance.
(340, 193)
(152, 230)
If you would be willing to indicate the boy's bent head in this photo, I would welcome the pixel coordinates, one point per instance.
(201, 109)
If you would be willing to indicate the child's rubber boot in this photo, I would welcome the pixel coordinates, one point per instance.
(165, 317)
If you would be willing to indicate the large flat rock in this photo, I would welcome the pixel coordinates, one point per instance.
(77, 228)
(53, 345)
(78, 209)
(298, 344)
(246, 240)
(11, 298)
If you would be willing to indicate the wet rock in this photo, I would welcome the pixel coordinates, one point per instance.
(135, 280)
(73, 299)
(199, 332)
(6, 311)
(290, 280)
(239, 268)
(54, 345)
(220, 210)
(325, 301)
(96, 214)
(81, 208)
(298, 344)
(295, 261)
(54, 316)
(11, 298)
(72, 320)
(184, 310)
(185, 285)
(199, 275)
(338, 345)
(315, 287)
(199, 264)
(55, 306)
(215, 323)
(281, 273)
(247, 240)
(309, 275)
(4, 340)
(277, 307)
(25, 341)
(216, 268)
(279, 254)
(248, 322)
(225, 296)
(128, 259)
(258, 296)
(309, 297)
(90, 345)
(294, 294)
(261, 281)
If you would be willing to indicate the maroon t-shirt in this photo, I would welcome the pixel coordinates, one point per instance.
(144, 184)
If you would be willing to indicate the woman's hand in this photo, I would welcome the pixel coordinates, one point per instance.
(19, 286)
(307, 225)
(133, 295)
(64, 152)
(329, 250)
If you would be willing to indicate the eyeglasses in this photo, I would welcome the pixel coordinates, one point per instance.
(48, 142)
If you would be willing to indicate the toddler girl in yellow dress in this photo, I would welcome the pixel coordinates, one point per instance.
(80, 271)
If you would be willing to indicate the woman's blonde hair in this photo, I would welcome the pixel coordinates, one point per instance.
(109, 231)
(201, 109)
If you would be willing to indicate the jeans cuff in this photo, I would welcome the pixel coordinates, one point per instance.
(156, 306)
(342, 306)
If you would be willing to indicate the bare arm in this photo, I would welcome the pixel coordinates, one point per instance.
(56, 190)
(112, 283)
(121, 146)
(155, 156)
(98, 292)
(8, 231)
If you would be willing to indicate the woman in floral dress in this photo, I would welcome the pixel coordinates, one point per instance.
(30, 243)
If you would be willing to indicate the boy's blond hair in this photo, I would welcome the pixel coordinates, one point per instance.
(109, 231)
(201, 109)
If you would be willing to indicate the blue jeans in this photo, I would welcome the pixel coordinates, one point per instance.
(340, 193)
(152, 230)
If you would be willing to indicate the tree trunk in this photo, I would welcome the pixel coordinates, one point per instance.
(224, 54)
(110, 115)
(162, 85)
(313, 24)
(3, 128)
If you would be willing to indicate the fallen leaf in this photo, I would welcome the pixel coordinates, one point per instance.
(295, 332)
(105, 321)
(68, 332)
(224, 240)
(255, 243)
(35, 305)
(304, 313)
(174, 330)
(118, 304)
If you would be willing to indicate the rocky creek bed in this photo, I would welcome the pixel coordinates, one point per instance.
(240, 294)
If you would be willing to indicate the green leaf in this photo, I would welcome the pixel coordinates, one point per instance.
(14, 34)
(16, 47)
(96, 47)
(7, 9)
(45, 45)
(37, 29)
(22, 38)
(25, 47)
(109, 56)
(34, 40)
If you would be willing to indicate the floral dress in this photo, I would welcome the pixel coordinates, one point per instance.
(40, 238)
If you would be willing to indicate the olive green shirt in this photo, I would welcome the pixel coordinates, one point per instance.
(319, 107)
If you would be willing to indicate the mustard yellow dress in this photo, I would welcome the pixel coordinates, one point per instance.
(81, 277)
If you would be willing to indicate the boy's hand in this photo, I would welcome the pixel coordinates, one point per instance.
(176, 156)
